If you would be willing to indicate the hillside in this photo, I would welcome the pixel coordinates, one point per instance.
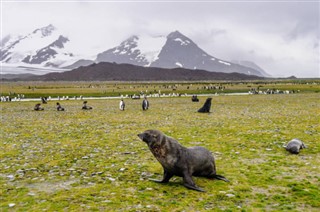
(105, 71)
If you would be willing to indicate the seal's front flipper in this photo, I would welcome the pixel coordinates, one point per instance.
(166, 177)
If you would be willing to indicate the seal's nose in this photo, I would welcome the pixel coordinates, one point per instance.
(140, 136)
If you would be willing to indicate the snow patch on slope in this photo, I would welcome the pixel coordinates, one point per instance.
(179, 64)
(228, 64)
(182, 42)
(150, 46)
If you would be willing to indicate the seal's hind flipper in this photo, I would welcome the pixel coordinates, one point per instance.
(219, 177)
(194, 187)
(189, 183)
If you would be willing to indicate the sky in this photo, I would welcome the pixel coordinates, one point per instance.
(282, 37)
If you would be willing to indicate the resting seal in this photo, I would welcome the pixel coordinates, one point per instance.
(206, 107)
(294, 146)
(179, 160)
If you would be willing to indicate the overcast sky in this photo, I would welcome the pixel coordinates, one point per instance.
(280, 36)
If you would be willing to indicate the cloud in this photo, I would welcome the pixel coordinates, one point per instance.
(281, 37)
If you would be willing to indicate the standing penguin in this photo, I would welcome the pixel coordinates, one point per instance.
(206, 107)
(122, 105)
(145, 104)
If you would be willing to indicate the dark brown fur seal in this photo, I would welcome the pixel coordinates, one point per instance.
(179, 160)
(206, 107)
(294, 146)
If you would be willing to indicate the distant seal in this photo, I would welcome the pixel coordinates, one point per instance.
(194, 98)
(294, 146)
(38, 107)
(179, 160)
(206, 107)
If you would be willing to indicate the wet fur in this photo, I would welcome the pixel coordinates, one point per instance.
(179, 160)
(294, 146)
(206, 107)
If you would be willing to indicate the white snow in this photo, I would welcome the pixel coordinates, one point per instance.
(150, 46)
(182, 43)
(63, 56)
(123, 52)
(133, 49)
(127, 45)
(212, 58)
(179, 64)
(225, 63)
(30, 44)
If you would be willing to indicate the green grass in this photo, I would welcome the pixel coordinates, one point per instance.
(93, 160)
(98, 89)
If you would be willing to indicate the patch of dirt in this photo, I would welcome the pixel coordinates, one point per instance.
(267, 191)
(51, 187)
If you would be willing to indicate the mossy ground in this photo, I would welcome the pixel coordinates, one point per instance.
(93, 160)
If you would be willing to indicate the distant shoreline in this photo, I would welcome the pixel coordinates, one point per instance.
(120, 97)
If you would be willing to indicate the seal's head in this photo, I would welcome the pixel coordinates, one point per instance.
(294, 150)
(151, 137)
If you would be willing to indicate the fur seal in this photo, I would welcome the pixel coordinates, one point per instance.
(179, 160)
(194, 98)
(38, 107)
(294, 146)
(206, 107)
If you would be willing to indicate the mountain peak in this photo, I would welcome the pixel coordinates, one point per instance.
(130, 42)
(45, 31)
(179, 38)
(175, 34)
(47, 47)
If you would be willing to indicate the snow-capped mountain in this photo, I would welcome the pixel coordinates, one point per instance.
(43, 47)
(48, 49)
(176, 50)
(136, 50)
(48, 52)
